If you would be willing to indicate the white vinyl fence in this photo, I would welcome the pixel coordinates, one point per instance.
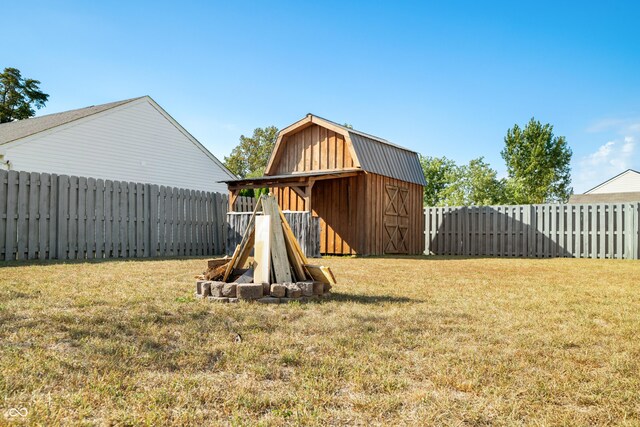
(49, 216)
(604, 230)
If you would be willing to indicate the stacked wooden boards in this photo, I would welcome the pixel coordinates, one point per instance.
(278, 257)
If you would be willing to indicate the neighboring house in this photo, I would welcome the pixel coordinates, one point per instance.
(131, 140)
(366, 191)
(624, 187)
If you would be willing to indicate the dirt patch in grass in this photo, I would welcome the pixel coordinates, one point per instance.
(404, 341)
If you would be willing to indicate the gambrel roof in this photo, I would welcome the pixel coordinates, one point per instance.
(370, 153)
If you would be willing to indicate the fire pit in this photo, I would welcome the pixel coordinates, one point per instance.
(279, 271)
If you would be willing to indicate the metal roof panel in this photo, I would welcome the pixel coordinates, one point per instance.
(387, 159)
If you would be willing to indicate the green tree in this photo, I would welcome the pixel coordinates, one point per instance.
(448, 184)
(18, 96)
(442, 175)
(481, 186)
(537, 164)
(250, 157)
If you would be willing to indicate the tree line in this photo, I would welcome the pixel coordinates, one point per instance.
(537, 164)
(538, 171)
(537, 161)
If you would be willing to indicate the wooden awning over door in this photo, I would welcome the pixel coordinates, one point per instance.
(301, 183)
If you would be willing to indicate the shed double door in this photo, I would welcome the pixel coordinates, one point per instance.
(396, 220)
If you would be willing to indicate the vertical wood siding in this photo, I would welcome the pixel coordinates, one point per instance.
(603, 230)
(288, 199)
(46, 216)
(352, 213)
(312, 149)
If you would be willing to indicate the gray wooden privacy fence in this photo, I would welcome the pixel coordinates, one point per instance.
(609, 230)
(244, 204)
(305, 227)
(49, 216)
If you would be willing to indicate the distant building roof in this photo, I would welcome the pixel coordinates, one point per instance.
(22, 128)
(624, 187)
(627, 181)
(631, 196)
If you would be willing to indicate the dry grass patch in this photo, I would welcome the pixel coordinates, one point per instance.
(404, 341)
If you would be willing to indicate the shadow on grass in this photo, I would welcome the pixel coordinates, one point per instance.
(433, 257)
(36, 262)
(39, 262)
(420, 257)
(318, 261)
(395, 256)
(371, 299)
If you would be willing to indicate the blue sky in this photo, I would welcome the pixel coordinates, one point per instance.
(444, 79)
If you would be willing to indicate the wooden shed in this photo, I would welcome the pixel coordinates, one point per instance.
(366, 191)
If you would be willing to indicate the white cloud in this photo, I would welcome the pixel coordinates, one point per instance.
(607, 161)
(629, 145)
(602, 154)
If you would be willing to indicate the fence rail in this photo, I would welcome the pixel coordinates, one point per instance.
(305, 227)
(604, 230)
(49, 216)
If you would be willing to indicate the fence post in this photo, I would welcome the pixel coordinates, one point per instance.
(531, 230)
(629, 231)
(426, 231)
(636, 231)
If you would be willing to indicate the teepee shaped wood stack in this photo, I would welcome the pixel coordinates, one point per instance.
(278, 257)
